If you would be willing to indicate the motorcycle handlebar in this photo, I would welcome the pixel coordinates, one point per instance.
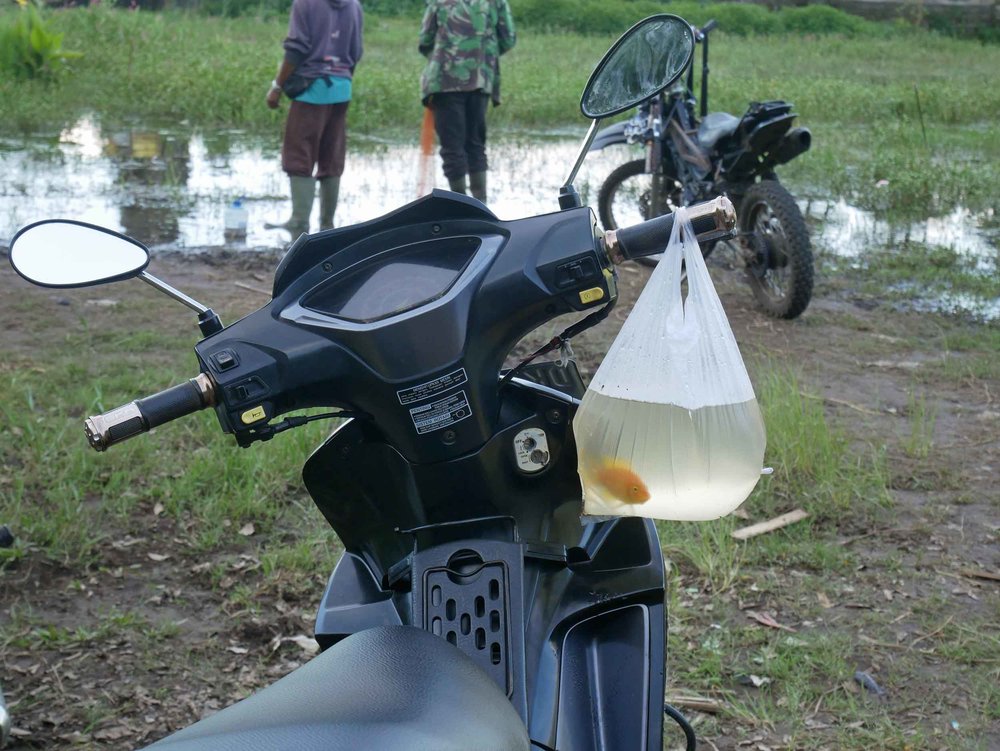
(145, 414)
(708, 27)
(711, 220)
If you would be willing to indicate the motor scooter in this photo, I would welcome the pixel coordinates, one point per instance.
(473, 607)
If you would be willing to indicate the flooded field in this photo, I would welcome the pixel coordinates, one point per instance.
(170, 188)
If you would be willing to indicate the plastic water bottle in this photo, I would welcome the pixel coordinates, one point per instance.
(235, 220)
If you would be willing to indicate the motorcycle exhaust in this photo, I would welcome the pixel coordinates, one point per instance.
(795, 142)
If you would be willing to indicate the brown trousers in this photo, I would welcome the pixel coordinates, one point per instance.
(315, 138)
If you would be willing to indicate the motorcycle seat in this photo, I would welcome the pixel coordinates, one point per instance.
(389, 688)
(715, 126)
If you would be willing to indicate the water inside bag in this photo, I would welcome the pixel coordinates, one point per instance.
(668, 462)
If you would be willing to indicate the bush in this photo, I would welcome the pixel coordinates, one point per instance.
(582, 16)
(822, 19)
(740, 19)
(28, 48)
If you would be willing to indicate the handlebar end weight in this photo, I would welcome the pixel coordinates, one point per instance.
(145, 414)
(114, 426)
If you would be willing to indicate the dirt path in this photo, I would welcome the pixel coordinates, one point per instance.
(913, 607)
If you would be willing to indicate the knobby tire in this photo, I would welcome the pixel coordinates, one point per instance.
(793, 244)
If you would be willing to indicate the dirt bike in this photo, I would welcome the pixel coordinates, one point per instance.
(690, 159)
(472, 607)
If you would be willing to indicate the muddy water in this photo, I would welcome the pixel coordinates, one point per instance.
(170, 188)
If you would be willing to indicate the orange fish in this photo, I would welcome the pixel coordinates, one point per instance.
(619, 481)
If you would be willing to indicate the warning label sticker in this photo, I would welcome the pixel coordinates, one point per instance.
(429, 389)
(441, 414)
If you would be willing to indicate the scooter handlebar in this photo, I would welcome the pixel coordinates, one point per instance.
(145, 414)
(711, 220)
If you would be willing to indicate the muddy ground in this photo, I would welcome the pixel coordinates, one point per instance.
(918, 573)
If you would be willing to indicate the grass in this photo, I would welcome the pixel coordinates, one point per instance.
(920, 441)
(809, 697)
(832, 79)
(33, 631)
(815, 468)
(205, 485)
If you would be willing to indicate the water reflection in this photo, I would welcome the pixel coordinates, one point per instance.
(848, 231)
(170, 188)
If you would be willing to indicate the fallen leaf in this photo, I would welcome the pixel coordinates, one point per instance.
(306, 643)
(766, 620)
(113, 734)
(238, 650)
(127, 542)
(157, 556)
(824, 601)
(753, 680)
(158, 509)
(247, 529)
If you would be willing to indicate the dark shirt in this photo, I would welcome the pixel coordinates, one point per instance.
(324, 37)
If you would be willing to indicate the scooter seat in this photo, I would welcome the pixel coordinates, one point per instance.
(715, 126)
(392, 688)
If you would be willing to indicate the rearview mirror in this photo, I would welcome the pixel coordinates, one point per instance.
(645, 60)
(66, 253)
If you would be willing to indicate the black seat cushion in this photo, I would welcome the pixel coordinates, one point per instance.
(715, 126)
(389, 688)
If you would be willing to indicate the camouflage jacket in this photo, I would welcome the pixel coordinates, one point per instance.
(463, 41)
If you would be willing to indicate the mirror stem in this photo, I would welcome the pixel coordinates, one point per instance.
(208, 321)
(179, 296)
(568, 189)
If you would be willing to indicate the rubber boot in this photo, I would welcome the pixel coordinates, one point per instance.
(457, 184)
(329, 190)
(303, 190)
(477, 185)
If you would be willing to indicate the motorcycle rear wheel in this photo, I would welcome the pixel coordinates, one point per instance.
(781, 270)
(625, 198)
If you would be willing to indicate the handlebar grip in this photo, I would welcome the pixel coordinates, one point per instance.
(709, 26)
(711, 220)
(145, 414)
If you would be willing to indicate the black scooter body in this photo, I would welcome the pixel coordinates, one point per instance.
(443, 529)
(568, 618)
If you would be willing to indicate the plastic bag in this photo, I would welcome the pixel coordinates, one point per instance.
(669, 427)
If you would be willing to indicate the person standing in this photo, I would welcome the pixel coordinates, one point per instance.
(463, 41)
(323, 46)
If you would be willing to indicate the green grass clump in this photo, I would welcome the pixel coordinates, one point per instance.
(814, 463)
(63, 499)
(29, 49)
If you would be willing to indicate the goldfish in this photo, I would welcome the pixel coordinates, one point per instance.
(620, 481)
